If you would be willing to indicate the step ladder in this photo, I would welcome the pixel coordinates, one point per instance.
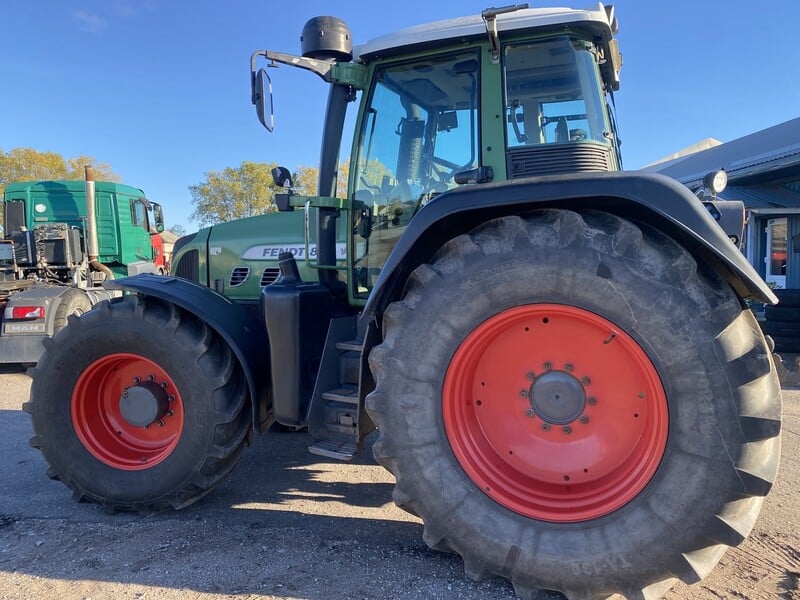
(335, 414)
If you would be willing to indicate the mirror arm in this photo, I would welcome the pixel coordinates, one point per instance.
(319, 67)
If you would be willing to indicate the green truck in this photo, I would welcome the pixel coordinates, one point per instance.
(57, 250)
(555, 356)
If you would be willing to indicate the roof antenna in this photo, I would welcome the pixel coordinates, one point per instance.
(489, 17)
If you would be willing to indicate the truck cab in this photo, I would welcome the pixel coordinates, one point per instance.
(125, 219)
(47, 271)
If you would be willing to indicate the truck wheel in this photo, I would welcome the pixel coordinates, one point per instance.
(137, 405)
(589, 413)
(73, 302)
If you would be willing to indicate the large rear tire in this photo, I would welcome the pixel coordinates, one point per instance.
(569, 402)
(137, 405)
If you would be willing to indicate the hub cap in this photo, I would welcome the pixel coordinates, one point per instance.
(557, 397)
(555, 413)
(127, 412)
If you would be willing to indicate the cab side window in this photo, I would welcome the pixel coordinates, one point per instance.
(138, 214)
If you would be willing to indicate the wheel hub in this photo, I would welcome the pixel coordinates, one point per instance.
(557, 397)
(143, 404)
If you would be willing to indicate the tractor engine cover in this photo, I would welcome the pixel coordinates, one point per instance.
(327, 38)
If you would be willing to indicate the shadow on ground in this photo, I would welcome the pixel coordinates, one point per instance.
(284, 524)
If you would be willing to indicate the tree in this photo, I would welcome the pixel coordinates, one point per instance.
(234, 193)
(306, 180)
(247, 190)
(29, 164)
(177, 229)
(102, 171)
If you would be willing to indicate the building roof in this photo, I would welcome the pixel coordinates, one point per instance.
(763, 196)
(169, 236)
(701, 145)
(760, 157)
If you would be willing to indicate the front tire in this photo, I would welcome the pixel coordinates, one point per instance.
(589, 412)
(137, 405)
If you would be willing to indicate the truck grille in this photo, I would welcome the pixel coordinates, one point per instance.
(239, 275)
(269, 275)
(554, 159)
(189, 266)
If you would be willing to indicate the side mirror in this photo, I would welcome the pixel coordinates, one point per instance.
(158, 217)
(262, 98)
(281, 177)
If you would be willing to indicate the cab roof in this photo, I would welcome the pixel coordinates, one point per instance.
(600, 21)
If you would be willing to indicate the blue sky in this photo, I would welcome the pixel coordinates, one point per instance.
(160, 89)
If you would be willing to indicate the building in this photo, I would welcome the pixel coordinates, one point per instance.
(764, 172)
(169, 238)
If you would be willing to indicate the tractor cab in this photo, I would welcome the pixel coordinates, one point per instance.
(512, 93)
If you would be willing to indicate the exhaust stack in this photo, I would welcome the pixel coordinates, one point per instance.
(92, 245)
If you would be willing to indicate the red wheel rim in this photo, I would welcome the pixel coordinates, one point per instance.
(113, 398)
(555, 413)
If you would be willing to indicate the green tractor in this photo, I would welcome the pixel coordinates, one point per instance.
(557, 356)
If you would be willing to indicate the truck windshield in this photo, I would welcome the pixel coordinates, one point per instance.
(419, 129)
(553, 93)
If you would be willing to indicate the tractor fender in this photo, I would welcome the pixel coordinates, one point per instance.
(245, 335)
(644, 197)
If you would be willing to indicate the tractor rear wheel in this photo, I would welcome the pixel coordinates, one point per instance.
(137, 405)
(589, 413)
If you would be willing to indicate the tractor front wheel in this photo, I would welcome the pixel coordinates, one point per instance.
(137, 405)
(589, 413)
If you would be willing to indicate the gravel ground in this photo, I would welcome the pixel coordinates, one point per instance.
(287, 525)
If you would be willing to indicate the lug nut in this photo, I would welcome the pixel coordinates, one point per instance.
(584, 419)
(568, 367)
(161, 423)
(530, 375)
(585, 380)
(591, 401)
(545, 426)
(523, 393)
(137, 380)
(151, 378)
(547, 366)
(529, 413)
(566, 429)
